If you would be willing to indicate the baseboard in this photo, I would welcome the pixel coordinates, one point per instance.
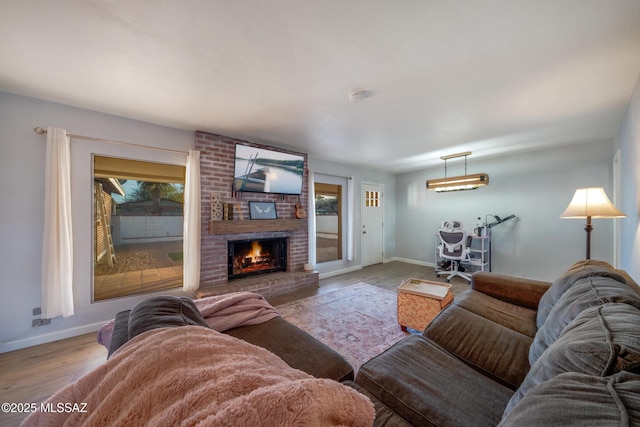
(386, 260)
(411, 261)
(338, 272)
(50, 337)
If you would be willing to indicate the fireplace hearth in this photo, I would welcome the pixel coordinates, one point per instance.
(256, 256)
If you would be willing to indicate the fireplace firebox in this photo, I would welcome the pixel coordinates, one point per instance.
(256, 256)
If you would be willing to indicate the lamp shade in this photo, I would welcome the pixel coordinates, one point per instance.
(591, 202)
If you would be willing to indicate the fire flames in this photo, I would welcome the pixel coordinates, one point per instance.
(256, 257)
(256, 248)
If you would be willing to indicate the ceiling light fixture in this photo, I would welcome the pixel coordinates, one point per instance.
(458, 183)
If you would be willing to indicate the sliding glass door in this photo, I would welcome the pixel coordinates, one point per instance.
(328, 216)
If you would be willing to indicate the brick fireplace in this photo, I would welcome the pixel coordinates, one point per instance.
(217, 157)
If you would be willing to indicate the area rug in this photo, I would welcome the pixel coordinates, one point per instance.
(359, 321)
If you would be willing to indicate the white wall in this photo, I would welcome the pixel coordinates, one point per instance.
(628, 141)
(22, 155)
(388, 180)
(536, 186)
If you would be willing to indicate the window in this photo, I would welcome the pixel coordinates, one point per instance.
(372, 199)
(328, 212)
(138, 227)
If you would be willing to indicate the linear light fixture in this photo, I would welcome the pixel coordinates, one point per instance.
(458, 183)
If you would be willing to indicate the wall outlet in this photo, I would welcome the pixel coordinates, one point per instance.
(37, 311)
(40, 322)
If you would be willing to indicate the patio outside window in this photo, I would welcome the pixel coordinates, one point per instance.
(138, 227)
(328, 203)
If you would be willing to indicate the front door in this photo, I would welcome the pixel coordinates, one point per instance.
(372, 224)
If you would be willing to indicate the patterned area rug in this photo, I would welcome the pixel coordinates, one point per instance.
(359, 321)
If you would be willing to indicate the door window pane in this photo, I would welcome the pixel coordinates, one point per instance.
(372, 199)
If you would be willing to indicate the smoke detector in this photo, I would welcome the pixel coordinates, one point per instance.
(358, 95)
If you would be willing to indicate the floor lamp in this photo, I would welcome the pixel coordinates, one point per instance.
(591, 203)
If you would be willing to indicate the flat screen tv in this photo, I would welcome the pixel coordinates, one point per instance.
(261, 170)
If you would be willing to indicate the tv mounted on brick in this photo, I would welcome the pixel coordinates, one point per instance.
(261, 170)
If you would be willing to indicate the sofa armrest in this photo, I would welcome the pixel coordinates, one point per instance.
(515, 290)
(120, 334)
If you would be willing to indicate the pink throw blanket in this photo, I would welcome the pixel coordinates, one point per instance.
(194, 376)
(222, 312)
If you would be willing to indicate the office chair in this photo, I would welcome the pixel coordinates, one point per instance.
(453, 247)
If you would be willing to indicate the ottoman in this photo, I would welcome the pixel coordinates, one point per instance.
(419, 301)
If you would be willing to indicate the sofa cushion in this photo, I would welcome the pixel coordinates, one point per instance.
(512, 316)
(601, 341)
(579, 270)
(586, 292)
(496, 351)
(296, 347)
(579, 399)
(628, 279)
(164, 311)
(427, 386)
(385, 417)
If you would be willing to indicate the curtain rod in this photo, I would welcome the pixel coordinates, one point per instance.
(41, 131)
(348, 178)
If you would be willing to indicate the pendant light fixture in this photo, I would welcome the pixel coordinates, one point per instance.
(458, 183)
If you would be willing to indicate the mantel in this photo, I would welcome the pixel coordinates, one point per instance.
(256, 225)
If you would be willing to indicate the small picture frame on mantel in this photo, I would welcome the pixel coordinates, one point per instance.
(262, 210)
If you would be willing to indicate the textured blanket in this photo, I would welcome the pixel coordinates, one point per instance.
(228, 311)
(221, 312)
(194, 376)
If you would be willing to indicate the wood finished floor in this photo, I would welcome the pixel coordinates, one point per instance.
(33, 374)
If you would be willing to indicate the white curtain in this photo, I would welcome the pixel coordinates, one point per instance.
(312, 219)
(191, 231)
(57, 241)
(350, 216)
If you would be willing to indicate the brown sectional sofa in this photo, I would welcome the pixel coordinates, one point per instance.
(509, 352)
(515, 352)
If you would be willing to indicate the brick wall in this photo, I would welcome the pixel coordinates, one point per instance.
(217, 160)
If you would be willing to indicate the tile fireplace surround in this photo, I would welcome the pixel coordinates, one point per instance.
(217, 159)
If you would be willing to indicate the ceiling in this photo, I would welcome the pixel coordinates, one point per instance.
(441, 77)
